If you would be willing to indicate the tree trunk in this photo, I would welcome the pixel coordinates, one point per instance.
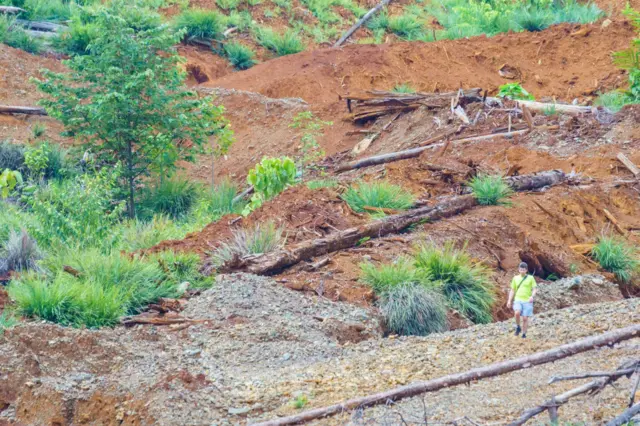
(131, 181)
(11, 9)
(271, 263)
(625, 417)
(358, 24)
(469, 376)
(10, 109)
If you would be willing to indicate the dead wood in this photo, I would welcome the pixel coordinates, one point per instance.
(362, 21)
(72, 271)
(243, 194)
(469, 376)
(380, 210)
(613, 220)
(625, 417)
(270, 263)
(10, 109)
(634, 388)
(11, 9)
(566, 109)
(629, 164)
(41, 26)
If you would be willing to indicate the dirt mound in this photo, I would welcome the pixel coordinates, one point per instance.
(581, 289)
(552, 62)
(259, 346)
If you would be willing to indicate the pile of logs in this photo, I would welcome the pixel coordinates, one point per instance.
(33, 28)
(375, 103)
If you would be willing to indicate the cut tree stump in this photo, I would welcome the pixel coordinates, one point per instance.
(492, 370)
(271, 263)
(10, 109)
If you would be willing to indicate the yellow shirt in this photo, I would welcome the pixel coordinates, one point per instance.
(525, 289)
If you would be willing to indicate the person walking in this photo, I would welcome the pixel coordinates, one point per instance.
(522, 293)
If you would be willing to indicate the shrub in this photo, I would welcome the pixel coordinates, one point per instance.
(263, 238)
(141, 234)
(379, 22)
(200, 23)
(613, 101)
(20, 39)
(12, 157)
(283, 44)
(173, 197)
(465, 284)
(514, 91)
(19, 253)
(241, 57)
(76, 39)
(403, 88)
(47, 10)
(406, 26)
(38, 129)
(269, 178)
(411, 310)
(9, 180)
(385, 277)
(322, 183)
(35, 297)
(378, 195)
(182, 268)
(490, 190)
(616, 256)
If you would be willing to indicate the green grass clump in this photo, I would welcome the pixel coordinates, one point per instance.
(228, 4)
(464, 283)
(322, 183)
(406, 26)
(201, 23)
(263, 238)
(141, 234)
(411, 310)
(182, 268)
(283, 44)
(378, 194)
(7, 321)
(12, 156)
(384, 277)
(220, 200)
(535, 19)
(490, 190)
(403, 88)
(173, 197)
(19, 253)
(616, 256)
(241, 57)
(18, 38)
(613, 101)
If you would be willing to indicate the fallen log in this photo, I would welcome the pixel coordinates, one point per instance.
(629, 164)
(415, 152)
(625, 417)
(492, 370)
(271, 263)
(11, 9)
(41, 26)
(243, 194)
(566, 109)
(9, 109)
(361, 22)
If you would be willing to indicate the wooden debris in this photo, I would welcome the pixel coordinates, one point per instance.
(625, 417)
(165, 305)
(381, 210)
(319, 264)
(41, 26)
(156, 319)
(613, 220)
(365, 143)
(11, 109)
(583, 249)
(527, 117)
(243, 194)
(561, 108)
(270, 263)
(11, 9)
(378, 103)
(362, 21)
(492, 370)
(629, 165)
(461, 114)
(72, 271)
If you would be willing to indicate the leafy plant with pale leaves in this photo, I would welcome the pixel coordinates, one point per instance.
(9, 179)
(269, 178)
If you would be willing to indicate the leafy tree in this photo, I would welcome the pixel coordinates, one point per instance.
(126, 100)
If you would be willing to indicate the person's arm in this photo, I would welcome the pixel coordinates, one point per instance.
(510, 298)
(533, 291)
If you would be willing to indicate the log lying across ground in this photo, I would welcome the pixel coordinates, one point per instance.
(469, 376)
(11, 9)
(362, 20)
(562, 108)
(271, 263)
(9, 109)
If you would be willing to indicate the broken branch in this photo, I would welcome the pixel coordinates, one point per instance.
(11, 109)
(362, 20)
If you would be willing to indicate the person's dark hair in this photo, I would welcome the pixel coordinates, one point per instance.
(523, 265)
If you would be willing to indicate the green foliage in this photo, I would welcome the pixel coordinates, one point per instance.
(182, 268)
(378, 194)
(241, 57)
(534, 19)
(300, 402)
(286, 43)
(615, 255)
(312, 128)
(220, 200)
(490, 190)
(76, 39)
(172, 197)
(19, 253)
(46, 10)
(411, 310)
(379, 22)
(141, 234)
(322, 183)
(384, 277)
(79, 211)
(200, 23)
(38, 130)
(550, 111)
(406, 26)
(629, 59)
(18, 38)
(465, 284)
(514, 91)
(263, 238)
(269, 178)
(403, 88)
(36, 160)
(12, 157)
(7, 321)
(613, 100)
(228, 4)
(9, 179)
(89, 100)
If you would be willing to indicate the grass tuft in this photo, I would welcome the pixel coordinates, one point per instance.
(615, 255)
(385, 277)
(404, 88)
(378, 194)
(322, 183)
(406, 26)
(19, 253)
(283, 44)
(411, 310)
(490, 190)
(7, 321)
(241, 57)
(201, 23)
(173, 197)
(263, 238)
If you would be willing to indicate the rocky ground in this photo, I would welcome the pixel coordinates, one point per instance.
(258, 346)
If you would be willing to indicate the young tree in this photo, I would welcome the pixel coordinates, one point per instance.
(127, 101)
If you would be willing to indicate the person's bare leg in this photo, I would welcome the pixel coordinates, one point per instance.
(518, 319)
(525, 323)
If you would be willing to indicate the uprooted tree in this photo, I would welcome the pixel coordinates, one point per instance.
(126, 100)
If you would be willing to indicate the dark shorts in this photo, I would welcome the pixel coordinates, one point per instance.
(525, 309)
